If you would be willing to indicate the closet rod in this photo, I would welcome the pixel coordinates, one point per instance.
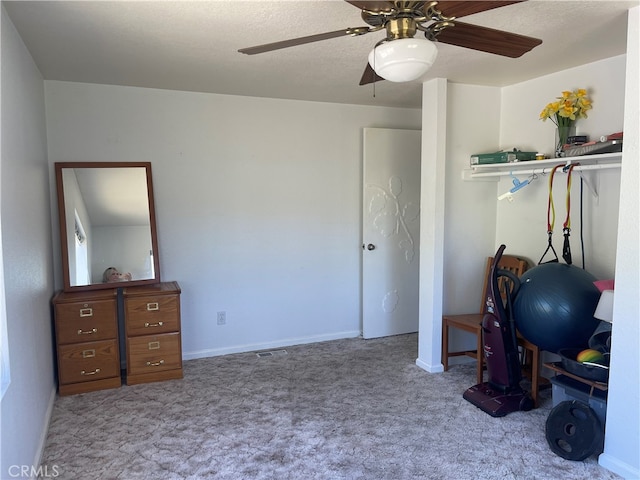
(546, 170)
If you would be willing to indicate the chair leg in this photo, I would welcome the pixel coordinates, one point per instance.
(535, 375)
(445, 346)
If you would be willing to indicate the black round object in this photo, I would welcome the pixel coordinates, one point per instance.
(526, 403)
(573, 431)
(554, 306)
(590, 372)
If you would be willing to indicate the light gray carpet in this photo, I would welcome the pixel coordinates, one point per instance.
(346, 409)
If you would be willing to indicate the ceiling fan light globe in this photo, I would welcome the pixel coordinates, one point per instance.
(403, 60)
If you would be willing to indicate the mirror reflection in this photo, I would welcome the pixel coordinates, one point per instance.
(107, 224)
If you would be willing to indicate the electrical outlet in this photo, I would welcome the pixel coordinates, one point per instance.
(222, 318)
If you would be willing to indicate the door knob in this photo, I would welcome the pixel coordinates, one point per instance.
(371, 246)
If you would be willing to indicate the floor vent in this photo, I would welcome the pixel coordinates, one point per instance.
(272, 353)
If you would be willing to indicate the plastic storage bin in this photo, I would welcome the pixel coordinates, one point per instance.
(565, 388)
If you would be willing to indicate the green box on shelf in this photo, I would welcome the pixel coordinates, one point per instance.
(502, 157)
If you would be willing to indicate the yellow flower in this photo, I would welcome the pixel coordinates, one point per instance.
(568, 110)
(570, 106)
(583, 105)
(550, 110)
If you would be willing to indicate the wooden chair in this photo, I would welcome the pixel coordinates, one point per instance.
(472, 323)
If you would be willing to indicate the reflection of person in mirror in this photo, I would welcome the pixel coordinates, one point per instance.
(112, 275)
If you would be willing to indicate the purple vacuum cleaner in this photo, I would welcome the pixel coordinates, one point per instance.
(502, 393)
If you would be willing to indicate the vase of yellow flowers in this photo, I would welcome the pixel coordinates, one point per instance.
(564, 113)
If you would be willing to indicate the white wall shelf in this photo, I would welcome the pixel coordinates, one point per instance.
(541, 167)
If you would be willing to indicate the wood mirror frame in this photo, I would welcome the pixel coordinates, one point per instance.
(120, 235)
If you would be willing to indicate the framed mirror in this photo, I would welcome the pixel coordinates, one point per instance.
(107, 225)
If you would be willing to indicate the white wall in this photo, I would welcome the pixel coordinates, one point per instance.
(515, 224)
(622, 442)
(473, 118)
(432, 221)
(27, 256)
(608, 255)
(473, 114)
(482, 120)
(522, 224)
(258, 203)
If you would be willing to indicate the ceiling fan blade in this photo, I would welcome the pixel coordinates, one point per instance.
(369, 76)
(462, 8)
(372, 5)
(267, 47)
(487, 40)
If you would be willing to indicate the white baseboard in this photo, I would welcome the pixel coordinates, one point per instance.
(438, 368)
(288, 342)
(45, 427)
(616, 466)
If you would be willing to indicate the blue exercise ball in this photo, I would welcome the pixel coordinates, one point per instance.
(554, 307)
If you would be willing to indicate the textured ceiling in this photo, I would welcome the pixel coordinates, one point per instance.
(192, 46)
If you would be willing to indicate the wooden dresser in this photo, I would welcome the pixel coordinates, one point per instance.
(86, 326)
(87, 336)
(152, 329)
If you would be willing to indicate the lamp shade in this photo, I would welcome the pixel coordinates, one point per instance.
(404, 59)
(604, 310)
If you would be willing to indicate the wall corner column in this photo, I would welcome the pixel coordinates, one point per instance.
(432, 202)
(622, 442)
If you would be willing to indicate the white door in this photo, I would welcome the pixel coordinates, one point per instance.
(390, 232)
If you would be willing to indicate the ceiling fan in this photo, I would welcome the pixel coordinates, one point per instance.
(401, 57)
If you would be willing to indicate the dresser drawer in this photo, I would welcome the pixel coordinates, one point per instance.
(88, 361)
(86, 321)
(153, 353)
(151, 315)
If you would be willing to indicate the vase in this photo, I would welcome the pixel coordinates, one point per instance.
(563, 132)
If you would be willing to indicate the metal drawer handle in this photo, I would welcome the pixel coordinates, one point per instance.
(159, 324)
(153, 306)
(88, 353)
(86, 312)
(87, 332)
(97, 370)
(155, 364)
